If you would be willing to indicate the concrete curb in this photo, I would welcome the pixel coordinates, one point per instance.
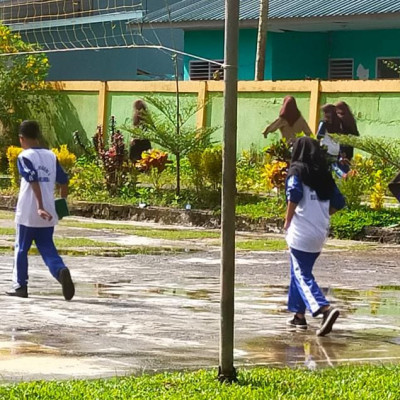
(163, 215)
(201, 218)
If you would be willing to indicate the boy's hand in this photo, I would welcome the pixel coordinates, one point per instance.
(286, 226)
(44, 214)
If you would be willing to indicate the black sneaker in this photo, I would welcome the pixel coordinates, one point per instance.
(328, 319)
(298, 323)
(20, 292)
(68, 287)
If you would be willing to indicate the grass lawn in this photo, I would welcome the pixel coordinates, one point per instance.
(167, 234)
(262, 245)
(7, 231)
(7, 214)
(348, 382)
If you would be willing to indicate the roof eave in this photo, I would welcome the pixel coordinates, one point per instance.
(274, 23)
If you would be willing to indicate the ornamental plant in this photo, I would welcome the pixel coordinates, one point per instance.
(153, 163)
(22, 79)
(12, 154)
(65, 157)
(378, 192)
(352, 188)
(275, 174)
(170, 126)
(118, 170)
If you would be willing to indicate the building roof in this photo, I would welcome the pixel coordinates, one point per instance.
(214, 10)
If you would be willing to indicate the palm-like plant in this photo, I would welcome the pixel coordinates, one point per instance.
(178, 137)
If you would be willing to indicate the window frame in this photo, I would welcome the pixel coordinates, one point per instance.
(384, 58)
(210, 72)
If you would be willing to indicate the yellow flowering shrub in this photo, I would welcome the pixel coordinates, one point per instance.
(275, 173)
(12, 154)
(65, 157)
(378, 192)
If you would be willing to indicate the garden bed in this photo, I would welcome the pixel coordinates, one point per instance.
(163, 215)
(345, 226)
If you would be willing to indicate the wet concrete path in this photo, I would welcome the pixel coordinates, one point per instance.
(146, 313)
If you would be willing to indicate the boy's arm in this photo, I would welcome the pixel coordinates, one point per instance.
(62, 180)
(64, 191)
(39, 200)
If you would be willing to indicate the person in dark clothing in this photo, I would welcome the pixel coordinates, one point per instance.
(312, 196)
(137, 146)
(349, 127)
(331, 123)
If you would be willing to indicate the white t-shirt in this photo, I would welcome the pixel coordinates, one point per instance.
(309, 227)
(38, 165)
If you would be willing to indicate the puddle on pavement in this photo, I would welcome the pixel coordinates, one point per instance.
(17, 348)
(367, 331)
(157, 331)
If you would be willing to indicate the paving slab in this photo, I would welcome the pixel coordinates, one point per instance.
(147, 313)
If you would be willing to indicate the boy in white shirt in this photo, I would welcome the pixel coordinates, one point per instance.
(36, 214)
(312, 196)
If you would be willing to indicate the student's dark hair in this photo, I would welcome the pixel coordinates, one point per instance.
(29, 129)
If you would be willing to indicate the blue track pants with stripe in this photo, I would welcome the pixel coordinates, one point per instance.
(43, 238)
(304, 293)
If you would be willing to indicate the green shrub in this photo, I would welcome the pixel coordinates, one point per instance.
(88, 183)
(352, 187)
(249, 171)
(211, 164)
(349, 224)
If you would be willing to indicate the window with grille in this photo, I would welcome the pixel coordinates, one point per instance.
(341, 68)
(204, 70)
(388, 68)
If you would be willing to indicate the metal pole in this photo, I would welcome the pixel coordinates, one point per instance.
(178, 126)
(227, 372)
(262, 40)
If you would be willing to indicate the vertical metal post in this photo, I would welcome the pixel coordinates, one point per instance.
(227, 371)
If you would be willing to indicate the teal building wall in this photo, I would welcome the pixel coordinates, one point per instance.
(298, 55)
(365, 46)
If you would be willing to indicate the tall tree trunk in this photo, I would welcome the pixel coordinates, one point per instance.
(262, 40)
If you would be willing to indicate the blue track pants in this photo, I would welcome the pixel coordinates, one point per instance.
(304, 293)
(43, 238)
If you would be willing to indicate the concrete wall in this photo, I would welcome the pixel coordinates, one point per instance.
(255, 112)
(66, 113)
(377, 114)
(82, 106)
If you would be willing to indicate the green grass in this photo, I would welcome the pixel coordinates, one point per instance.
(167, 234)
(262, 245)
(344, 383)
(81, 242)
(7, 231)
(7, 214)
(262, 209)
(80, 246)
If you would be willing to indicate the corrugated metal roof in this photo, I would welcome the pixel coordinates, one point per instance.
(214, 10)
